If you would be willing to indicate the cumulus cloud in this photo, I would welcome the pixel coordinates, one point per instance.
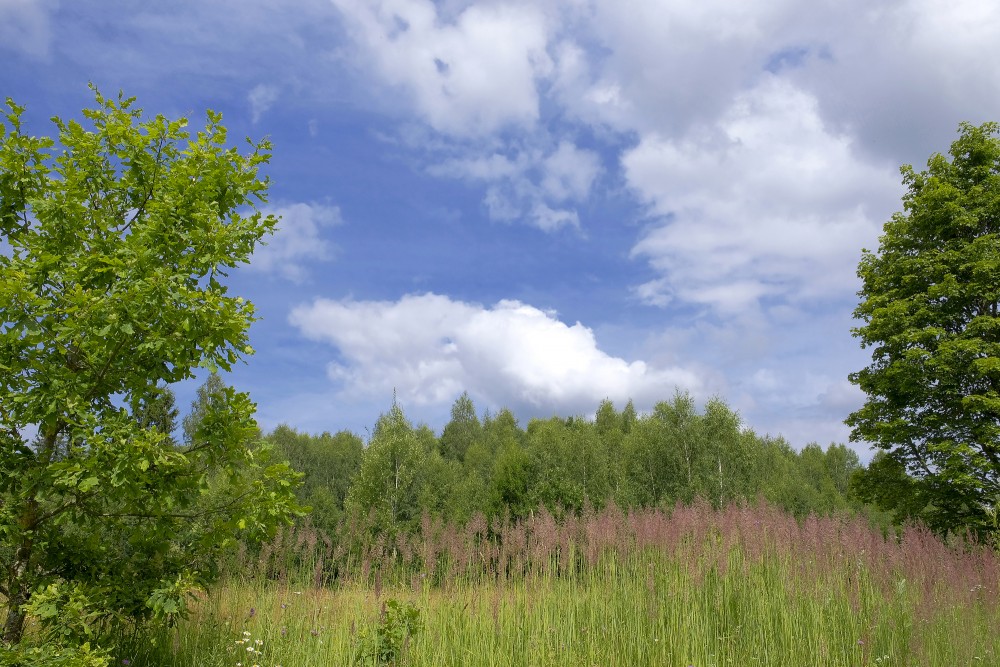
(299, 239)
(765, 203)
(261, 98)
(25, 26)
(429, 348)
(467, 74)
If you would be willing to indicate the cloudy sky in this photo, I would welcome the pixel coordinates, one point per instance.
(545, 203)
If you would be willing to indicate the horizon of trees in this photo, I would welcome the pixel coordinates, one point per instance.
(493, 466)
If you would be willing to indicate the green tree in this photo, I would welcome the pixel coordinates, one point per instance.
(119, 239)
(502, 430)
(929, 306)
(328, 464)
(462, 431)
(725, 452)
(512, 483)
(158, 410)
(388, 484)
(610, 427)
(558, 483)
(208, 394)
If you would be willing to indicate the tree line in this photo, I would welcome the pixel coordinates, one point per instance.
(493, 466)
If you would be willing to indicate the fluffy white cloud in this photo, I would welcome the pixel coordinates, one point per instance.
(24, 25)
(300, 238)
(766, 203)
(429, 348)
(467, 74)
(532, 185)
(261, 98)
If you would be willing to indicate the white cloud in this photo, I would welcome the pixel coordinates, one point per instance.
(901, 75)
(549, 219)
(530, 185)
(468, 74)
(300, 238)
(429, 348)
(569, 172)
(764, 203)
(261, 99)
(25, 26)
(659, 66)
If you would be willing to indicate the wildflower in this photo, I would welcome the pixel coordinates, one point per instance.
(126, 662)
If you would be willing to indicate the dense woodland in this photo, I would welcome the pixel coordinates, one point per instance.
(494, 466)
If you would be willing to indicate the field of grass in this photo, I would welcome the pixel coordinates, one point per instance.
(743, 586)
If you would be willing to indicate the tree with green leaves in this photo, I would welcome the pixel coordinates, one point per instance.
(118, 237)
(328, 464)
(387, 486)
(463, 430)
(930, 307)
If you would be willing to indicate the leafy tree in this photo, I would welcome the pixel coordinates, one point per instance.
(841, 464)
(726, 455)
(649, 472)
(512, 482)
(463, 430)
(328, 464)
(558, 483)
(158, 410)
(502, 430)
(930, 306)
(113, 283)
(780, 477)
(886, 484)
(388, 484)
(628, 417)
(206, 397)
(610, 428)
(684, 448)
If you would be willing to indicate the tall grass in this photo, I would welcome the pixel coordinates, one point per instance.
(694, 586)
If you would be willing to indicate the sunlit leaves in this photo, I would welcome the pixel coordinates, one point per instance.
(929, 307)
(120, 235)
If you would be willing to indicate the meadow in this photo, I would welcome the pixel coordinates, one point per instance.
(693, 586)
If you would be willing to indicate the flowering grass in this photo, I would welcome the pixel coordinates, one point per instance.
(743, 586)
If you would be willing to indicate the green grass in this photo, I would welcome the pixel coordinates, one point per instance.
(775, 594)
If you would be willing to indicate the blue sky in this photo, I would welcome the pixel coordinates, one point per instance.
(545, 203)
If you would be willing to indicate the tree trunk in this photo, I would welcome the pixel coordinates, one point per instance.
(19, 587)
(20, 576)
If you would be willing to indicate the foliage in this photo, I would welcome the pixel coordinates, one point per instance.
(387, 641)
(929, 306)
(328, 463)
(119, 240)
(387, 485)
(54, 655)
(463, 430)
(676, 453)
